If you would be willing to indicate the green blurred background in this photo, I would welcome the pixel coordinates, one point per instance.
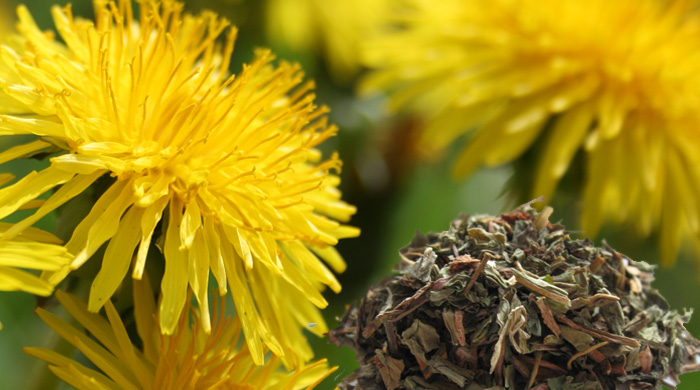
(397, 188)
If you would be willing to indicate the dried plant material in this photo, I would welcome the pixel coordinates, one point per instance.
(542, 287)
(512, 302)
(548, 317)
(389, 368)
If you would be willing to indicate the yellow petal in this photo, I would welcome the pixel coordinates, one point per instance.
(331, 256)
(599, 161)
(99, 381)
(6, 178)
(106, 362)
(254, 329)
(22, 151)
(146, 324)
(191, 223)
(116, 260)
(217, 261)
(174, 283)
(502, 139)
(67, 192)
(10, 125)
(93, 322)
(272, 296)
(454, 122)
(77, 378)
(31, 234)
(151, 217)
(239, 242)
(297, 279)
(29, 188)
(85, 165)
(563, 142)
(138, 366)
(104, 221)
(33, 255)
(198, 272)
(12, 279)
(302, 256)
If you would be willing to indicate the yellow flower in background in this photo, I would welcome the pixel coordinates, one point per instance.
(334, 28)
(228, 164)
(33, 249)
(618, 79)
(190, 358)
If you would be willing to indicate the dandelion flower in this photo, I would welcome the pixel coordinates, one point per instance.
(616, 79)
(227, 165)
(334, 28)
(190, 358)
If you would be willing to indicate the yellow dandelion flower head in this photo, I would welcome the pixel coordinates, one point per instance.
(618, 79)
(334, 28)
(190, 358)
(227, 162)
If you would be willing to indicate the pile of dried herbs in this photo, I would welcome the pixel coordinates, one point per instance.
(512, 302)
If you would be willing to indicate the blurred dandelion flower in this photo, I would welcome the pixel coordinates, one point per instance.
(618, 79)
(190, 358)
(334, 28)
(227, 163)
(33, 249)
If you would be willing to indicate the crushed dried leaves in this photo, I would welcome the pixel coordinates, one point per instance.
(513, 302)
